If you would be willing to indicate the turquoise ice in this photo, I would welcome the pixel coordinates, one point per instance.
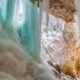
(29, 30)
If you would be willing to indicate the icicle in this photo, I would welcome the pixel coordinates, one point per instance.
(8, 25)
(25, 31)
(9, 15)
(46, 9)
(1, 20)
(18, 18)
(3, 5)
(30, 31)
(77, 5)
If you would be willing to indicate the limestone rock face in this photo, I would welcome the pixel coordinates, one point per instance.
(56, 40)
(52, 40)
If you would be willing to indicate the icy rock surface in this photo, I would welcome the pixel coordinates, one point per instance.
(52, 41)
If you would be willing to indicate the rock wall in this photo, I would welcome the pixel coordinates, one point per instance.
(63, 9)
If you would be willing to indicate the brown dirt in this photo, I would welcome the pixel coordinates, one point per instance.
(63, 9)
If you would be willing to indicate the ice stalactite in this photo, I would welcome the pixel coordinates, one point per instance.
(26, 27)
(77, 18)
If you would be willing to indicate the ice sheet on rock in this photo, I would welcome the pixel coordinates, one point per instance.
(52, 40)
